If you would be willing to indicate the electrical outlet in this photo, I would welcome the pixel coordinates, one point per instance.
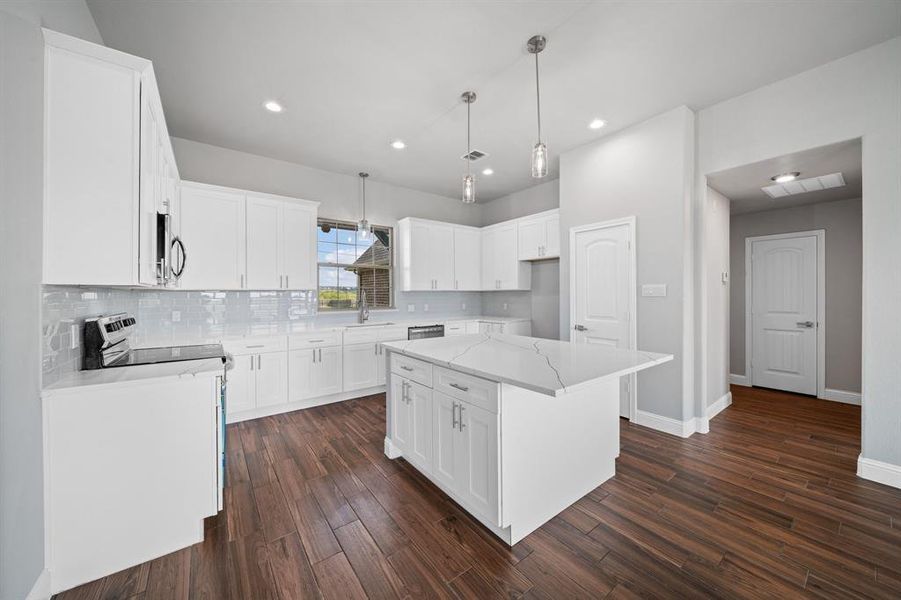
(176, 316)
(425, 308)
(505, 306)
(463, 306)
(411, 308)
(74, 336)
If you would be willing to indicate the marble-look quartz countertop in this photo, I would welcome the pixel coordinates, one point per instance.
(545, 366)
(137, 373)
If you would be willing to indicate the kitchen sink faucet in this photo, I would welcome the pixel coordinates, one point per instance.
(363, 314)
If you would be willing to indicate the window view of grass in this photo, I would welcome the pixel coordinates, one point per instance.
(349, 264)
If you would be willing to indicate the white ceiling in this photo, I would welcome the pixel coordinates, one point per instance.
(355, 75)
(742, 184)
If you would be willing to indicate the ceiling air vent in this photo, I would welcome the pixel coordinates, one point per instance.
(802, 186)
(474, 155)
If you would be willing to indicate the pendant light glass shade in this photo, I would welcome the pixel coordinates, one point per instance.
(539, 160)
(469, 189)
(364, 230)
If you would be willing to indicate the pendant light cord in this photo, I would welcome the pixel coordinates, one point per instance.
(468, 144)
(538, 97)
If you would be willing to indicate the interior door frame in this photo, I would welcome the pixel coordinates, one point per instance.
(630, 221)
(820, 235)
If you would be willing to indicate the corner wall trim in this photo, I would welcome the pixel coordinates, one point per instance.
(665, 424)
(739, 380)
(841, 396)
(878, 471)
(720, 405)
(41, 588)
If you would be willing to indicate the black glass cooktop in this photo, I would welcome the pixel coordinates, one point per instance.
(150, 356)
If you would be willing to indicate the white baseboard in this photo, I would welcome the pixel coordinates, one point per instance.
(717, 407)
(841, 396)
(739, 380)
(878, 471)
(665, 424)
(41, 588)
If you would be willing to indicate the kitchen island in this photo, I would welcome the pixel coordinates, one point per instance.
(514, 429)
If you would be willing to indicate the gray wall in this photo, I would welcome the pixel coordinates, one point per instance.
(545, 295)
(717, 263)
(21, 192)
(645, 170)
(21, 450)
(844, 264)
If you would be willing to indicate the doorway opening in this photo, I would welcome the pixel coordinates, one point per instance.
(792, 272)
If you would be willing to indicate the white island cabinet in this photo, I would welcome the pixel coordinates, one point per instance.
(514, 429)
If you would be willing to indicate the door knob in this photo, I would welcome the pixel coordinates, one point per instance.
(580, 328)
(805, 324)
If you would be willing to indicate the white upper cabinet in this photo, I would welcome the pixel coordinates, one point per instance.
(245, 240)
(264, 241)
(213, 232)
(467, 258)
(92, 162)
(501, 268)
(299, 245)
(426, 255)
(281, 243)
(539, 236)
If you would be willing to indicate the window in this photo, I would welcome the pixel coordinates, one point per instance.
(348, 264)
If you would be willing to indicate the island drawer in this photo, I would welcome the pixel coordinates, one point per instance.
(474, 390)
(317, 339)
(412, 368)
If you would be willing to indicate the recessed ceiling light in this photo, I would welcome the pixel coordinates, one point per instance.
(398, 144)
(785, 177)
(273, 106)
(488, 171)
(597, 124)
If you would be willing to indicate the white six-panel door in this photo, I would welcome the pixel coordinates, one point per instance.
(783, 291)
(602, 290)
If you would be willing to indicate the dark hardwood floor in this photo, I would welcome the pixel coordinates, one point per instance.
(767, 505)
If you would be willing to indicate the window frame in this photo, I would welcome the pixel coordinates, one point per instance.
(390, 268)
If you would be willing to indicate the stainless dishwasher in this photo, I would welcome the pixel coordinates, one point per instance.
(425, 331)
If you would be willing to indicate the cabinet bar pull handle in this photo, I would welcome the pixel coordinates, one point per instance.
(281, 281)
(287, 285)
(251, 362)
(320, 355)
(259, 361)
(315, 341)
(462, 388)
(406, 368)
(454, 415)
(461, 418)
(242, 280)
(255, 346)
(314, 356)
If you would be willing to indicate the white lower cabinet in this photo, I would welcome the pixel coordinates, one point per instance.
(314, 372)
(360, 366)
(259, 376)
(271, 379)
(240, 383)
(453, 441)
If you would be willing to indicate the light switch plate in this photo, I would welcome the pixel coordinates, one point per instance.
(725, 277)
(653, 290)
(463, 306)
(425, 307)
(411, 308)
(505, 306)
(176, 316)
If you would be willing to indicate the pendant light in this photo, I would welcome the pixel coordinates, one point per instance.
(469, 185)
(363, 228)
(535, 45)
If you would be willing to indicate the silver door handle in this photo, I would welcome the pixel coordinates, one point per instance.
(251, 362)
(462, 425)
(403, 391)
(580, 328)
(462, 388)
(454, 415)
(805, 324)
(259, 361)
(314, 356)
(406, 368)
(314, 341)
(320, 355)
(287, 285)
(242, 281)
(281, 281)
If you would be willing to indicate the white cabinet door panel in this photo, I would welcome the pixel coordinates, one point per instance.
(467, 259)
(478, 479)
(240, 390)
(264, 236)
(419, 403)
(327, 372)
(531, 239)
(360, 366)
(421, 275)
(552, 235)
(271, 379)
(301, 364)
(299, 247)
(446, 444)
(213, 232)
(441, 256)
